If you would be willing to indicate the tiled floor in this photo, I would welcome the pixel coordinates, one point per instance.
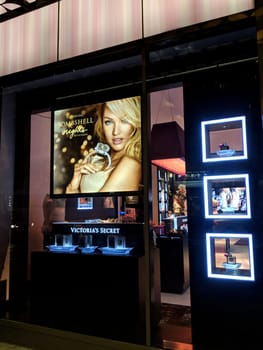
(178, 299)
(171, 334)
(175, 337)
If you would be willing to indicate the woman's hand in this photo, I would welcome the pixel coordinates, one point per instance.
(81, 168)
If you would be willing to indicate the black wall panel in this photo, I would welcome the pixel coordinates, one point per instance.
(224, 312)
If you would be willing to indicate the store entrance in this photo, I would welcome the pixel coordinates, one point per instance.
(170, 223)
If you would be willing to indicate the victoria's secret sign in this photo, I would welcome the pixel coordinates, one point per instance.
(91, 230)
(95, 228)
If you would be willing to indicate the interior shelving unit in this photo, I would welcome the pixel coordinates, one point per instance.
(162, 178)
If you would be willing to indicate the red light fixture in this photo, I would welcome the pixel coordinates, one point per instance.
(168, 150)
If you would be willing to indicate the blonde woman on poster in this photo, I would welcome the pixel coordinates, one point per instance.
(114, 165)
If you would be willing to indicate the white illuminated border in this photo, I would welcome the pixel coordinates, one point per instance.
(225, 179)
(205, 124)
(234, 276)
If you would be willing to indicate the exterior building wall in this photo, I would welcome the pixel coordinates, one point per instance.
(70, 28)
(77, 44)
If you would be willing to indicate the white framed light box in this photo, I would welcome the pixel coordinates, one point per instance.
(224, 139)
(230, 256)
(227, 196)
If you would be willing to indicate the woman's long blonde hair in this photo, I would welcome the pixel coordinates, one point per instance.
(130, 109)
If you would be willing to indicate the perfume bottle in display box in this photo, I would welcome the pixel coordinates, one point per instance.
(63, 243)
(116, 245)
(227, 196)
(224, 139)
(86, 244)
(230, 256)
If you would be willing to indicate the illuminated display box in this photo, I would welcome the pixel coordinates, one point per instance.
(230, 256)
(227, 196)
(224, 139)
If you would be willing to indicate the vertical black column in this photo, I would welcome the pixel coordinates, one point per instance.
(224, 311)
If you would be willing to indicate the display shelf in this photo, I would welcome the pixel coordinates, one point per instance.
(230, 256)
(90, 237)
(162, 194)
(224, 139)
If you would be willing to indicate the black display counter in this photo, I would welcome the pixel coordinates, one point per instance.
(174, 263)
(95, 294)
